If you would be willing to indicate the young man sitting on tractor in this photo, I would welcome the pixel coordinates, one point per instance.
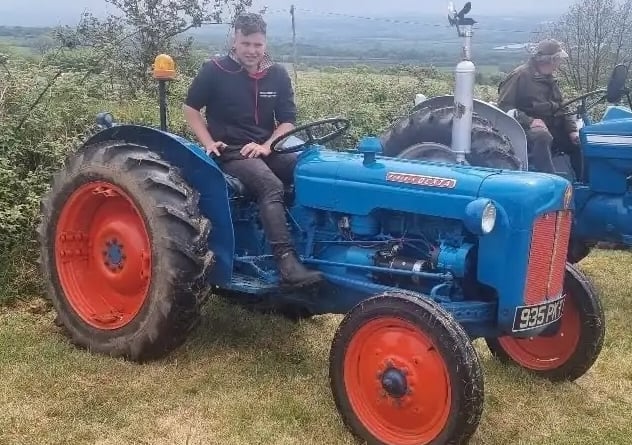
(249, 103)
(533, 92)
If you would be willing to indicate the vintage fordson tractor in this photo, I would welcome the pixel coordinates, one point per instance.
(421, 257)
(483, 135)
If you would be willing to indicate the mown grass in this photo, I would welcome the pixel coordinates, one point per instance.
(255, 379)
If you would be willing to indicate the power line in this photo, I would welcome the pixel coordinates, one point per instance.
(394, 21)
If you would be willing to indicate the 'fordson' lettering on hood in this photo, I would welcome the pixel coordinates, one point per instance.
(430, 181)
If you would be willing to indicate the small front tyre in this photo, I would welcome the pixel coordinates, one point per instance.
(572, 350)
(123, 251)
(403, 372)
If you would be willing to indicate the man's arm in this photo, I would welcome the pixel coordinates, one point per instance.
(198, 96)
(285, 110)
(281, 129)
(508, 99)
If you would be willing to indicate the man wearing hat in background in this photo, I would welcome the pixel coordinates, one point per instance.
(533, 91)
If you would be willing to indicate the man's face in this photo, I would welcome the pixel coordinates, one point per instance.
(550, 67)
(250, 49)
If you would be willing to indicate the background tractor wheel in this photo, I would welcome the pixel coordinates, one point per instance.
(403, 371)
(123, 250)
(573, 349)
(429, 126)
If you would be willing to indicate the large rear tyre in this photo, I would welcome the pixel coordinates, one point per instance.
(488, 149)
(403, 371)
(123, 251)
(572, 350)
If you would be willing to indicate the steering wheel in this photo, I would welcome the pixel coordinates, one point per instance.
(616, 90)
(602, 92)
(341, 124)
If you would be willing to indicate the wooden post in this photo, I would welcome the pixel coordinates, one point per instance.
(294, 42)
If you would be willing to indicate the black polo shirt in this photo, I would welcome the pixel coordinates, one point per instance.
(240, 107)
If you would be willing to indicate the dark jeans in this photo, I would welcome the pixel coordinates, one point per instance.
(264, 178)
(541, 143)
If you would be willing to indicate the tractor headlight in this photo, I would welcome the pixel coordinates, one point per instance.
(488, 221)
(480, 216)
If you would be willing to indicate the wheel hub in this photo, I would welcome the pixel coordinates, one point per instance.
(394, 383)
(103, 255)
(114, 254)
(386, 362)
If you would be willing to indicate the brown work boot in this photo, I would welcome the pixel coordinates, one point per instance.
(293, 274)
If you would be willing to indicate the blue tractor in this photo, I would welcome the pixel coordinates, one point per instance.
(483, 135)
(420, 257)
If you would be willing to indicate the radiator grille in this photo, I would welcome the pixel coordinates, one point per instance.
(547, 256)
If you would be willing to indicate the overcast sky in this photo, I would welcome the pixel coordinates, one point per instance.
(47, 12)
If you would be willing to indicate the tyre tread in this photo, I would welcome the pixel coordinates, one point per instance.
(176, 311)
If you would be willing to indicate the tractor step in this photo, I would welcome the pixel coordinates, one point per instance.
(251, 285)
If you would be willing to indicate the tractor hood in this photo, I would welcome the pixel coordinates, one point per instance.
(342, 181)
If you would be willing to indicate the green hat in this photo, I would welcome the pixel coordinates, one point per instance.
(550, 49)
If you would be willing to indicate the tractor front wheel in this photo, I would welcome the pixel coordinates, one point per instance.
(572, 350)
(403, 371)
(123, 249)
(412, 137)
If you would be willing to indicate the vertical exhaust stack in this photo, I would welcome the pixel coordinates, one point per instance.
(465, 76)
(164, 70)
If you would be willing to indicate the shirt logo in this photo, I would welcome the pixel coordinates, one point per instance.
(268, 94)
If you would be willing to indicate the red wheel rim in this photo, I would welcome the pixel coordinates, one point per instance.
(546, 353)
(103, 255)
(397, 382)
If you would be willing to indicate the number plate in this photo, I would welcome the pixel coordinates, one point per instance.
(531, 317)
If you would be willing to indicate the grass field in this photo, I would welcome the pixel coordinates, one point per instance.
(254, 379)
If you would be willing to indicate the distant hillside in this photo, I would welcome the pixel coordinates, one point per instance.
(411, 39)
(498, 43)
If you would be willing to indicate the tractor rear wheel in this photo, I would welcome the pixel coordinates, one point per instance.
(403, 371)
(429, 126)
(123, 249)
(572, 350)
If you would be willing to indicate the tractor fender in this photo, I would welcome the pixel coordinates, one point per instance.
(202, 173)
(505, 123)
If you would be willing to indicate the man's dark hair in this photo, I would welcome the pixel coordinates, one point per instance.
(250, 23)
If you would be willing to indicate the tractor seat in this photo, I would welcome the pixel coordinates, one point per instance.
(236, 185)
(239, 189)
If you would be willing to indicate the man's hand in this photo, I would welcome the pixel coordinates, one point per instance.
(214, 147)
(538, 123)
(574, 137)
(254, 150)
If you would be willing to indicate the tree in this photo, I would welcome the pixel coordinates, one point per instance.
(596, 35)
(130, 41)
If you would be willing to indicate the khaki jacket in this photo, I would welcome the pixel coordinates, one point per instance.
(534, 96)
